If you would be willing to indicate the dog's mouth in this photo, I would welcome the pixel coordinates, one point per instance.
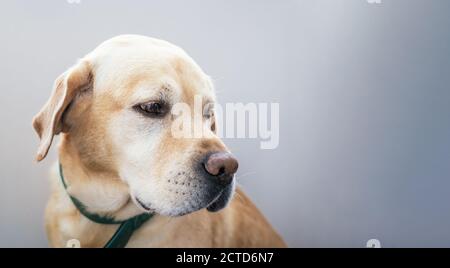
(222, 199)
(143, 205)
(213, 205)
(219, 202)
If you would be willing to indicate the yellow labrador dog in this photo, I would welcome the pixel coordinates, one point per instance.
(119, 158)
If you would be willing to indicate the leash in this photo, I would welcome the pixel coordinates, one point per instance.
(126, 228)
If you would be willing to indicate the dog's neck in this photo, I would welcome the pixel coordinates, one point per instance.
(102, 192)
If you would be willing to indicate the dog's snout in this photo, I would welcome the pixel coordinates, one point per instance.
(222, 166)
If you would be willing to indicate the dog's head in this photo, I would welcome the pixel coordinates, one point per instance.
(115, 107)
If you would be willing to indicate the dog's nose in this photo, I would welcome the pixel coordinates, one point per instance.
(223, 166)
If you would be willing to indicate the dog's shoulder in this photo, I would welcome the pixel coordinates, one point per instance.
(250, 227)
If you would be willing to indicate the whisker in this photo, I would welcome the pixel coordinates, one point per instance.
(240, 176)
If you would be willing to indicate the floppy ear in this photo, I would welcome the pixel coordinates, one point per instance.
(48, 122)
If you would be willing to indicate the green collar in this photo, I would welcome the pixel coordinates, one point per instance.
(126, 228)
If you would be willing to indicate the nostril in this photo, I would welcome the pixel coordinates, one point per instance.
(221, 171)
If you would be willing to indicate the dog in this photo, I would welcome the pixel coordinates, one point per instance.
(112, 110)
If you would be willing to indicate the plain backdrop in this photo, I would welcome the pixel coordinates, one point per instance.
(364, 107)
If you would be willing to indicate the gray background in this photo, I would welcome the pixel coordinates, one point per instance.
(364, 100)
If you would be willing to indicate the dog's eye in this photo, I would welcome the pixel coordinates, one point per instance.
(151, 108)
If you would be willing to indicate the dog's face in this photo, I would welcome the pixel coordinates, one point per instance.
(116, 108)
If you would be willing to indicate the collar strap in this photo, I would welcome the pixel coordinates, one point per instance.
(126, 228)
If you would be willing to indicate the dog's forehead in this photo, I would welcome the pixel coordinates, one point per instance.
(135, 66)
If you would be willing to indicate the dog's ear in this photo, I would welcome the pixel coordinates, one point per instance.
(48, 122)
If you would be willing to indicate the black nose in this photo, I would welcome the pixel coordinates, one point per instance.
(222, 166)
